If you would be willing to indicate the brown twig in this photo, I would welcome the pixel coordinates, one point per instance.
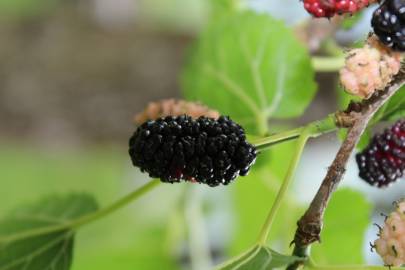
(356, 118)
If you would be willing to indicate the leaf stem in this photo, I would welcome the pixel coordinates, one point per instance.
(262, 126)
(313, 129)
(327, 64)
(310, 264)
(351, 267)
(303, 137)
(237, 258)
(85, 219)
(267, 142)
(320, 127)
(124, 201)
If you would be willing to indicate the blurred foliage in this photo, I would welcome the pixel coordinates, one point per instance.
(351, 21)
(26, 7)
(252, 60)
(346, 219)
(179, 15)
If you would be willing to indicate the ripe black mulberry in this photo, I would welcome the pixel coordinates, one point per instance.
(204, 150)
(383, 161)
(389, 24)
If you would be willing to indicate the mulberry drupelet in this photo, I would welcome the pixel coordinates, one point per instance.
(383, 161)
(204, 150)
(329, 8)
(389, 24)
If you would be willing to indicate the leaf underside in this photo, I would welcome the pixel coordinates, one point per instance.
(22, 250)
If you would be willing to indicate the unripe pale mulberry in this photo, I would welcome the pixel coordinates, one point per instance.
(204, 150)
(369, 69)
(174, 107)
(391, 242)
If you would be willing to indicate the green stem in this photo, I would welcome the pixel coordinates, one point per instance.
(313, 129)
(320, 127)
(351, 267)
(267, 142)
(85, 219)
(306, 133)
(310, 264)
(233, 260)
(116, 205)
(327, 64)
(262, 124)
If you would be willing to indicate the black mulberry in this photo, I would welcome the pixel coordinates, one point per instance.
(203, 150)
(383, 161)
(389, 24)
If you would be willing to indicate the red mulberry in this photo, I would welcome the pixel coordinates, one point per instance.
(383, 161)
(204, 150)
(329, 8)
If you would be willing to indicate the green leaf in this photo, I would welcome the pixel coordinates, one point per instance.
(259, 258)
(394, 109)
(346, 220)
(220, 6)
(25, 7)
(250, 66)
(27, 240)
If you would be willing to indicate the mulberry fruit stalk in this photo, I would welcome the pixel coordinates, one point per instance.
(204, 150)
(329, 8)
(383, 161)
(391, 242)
(388, 23)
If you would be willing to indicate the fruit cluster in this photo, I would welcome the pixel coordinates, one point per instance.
(391, 244)
(383, 161)
(204, 150)
(329, 8)
(389, 24)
